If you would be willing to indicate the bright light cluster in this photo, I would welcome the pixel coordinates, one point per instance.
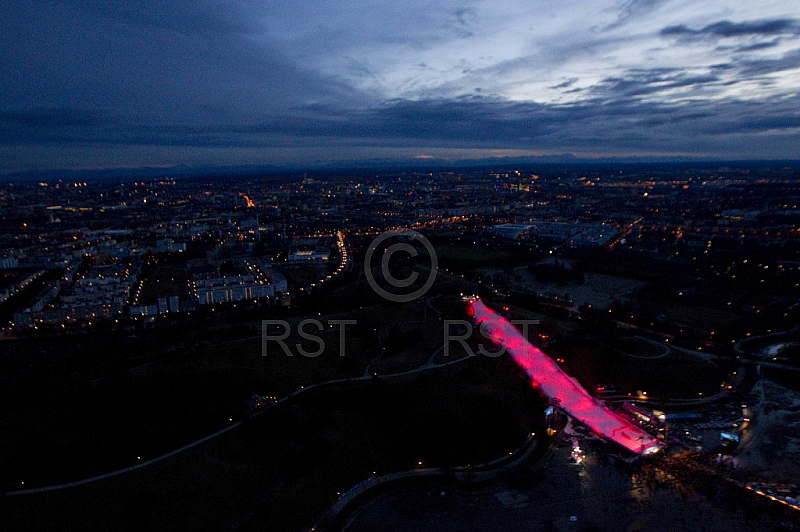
(559, 387)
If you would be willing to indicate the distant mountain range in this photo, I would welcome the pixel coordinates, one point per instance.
(428, 164)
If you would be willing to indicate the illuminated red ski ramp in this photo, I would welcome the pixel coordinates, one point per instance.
(560, 387)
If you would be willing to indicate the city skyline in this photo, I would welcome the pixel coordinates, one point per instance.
(133, 84)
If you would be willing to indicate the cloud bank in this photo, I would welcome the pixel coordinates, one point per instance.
(239, 82)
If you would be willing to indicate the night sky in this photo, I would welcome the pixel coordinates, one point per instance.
(126, 83)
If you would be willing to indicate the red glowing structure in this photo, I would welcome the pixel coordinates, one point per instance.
(559, 387)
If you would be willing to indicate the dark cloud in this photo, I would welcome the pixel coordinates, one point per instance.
(172, 71)
(642, 82)
(477, 122)
(53, 118)
(726, 28)
(487, 122)
(466, 16)
(760, 67)
(211, 17)
(51, 125)
(757, 46)
(565, 84)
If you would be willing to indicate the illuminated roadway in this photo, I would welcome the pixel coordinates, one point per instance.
(559, 387)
